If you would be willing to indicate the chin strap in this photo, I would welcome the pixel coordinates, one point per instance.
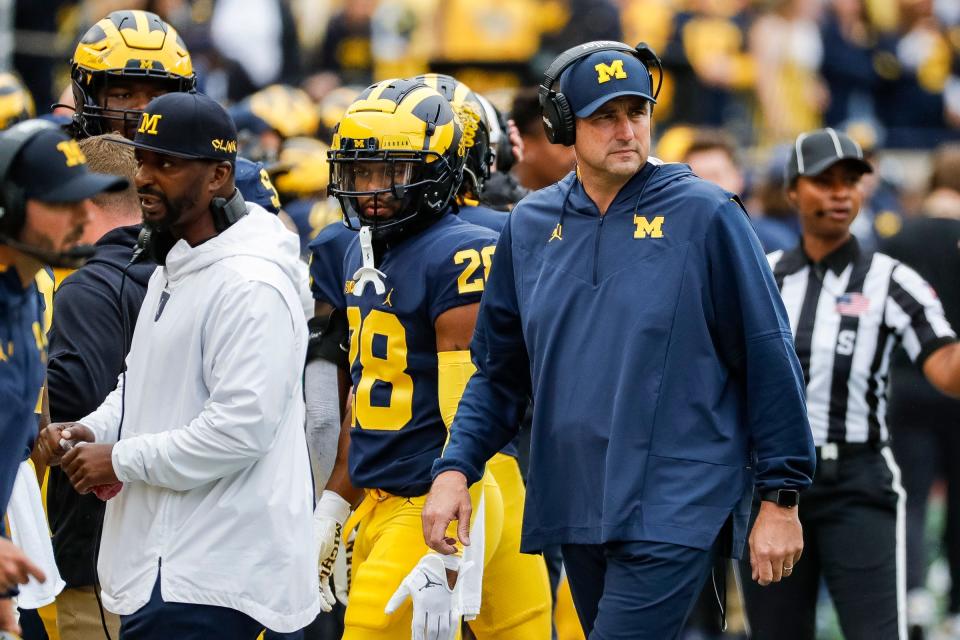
(368, 272)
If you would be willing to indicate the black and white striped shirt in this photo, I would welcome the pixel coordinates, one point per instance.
(847, 312)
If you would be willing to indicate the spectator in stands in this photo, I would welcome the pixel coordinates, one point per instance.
(709, 63)
(712, 155)
(917, 98)
(774, 219)
(881, 215)
(847, 66)
(258, 40)
(786, 47)
(346, 47)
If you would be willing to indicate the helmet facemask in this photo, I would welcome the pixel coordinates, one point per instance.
(93, 113)
(395, 193)
(396, 160)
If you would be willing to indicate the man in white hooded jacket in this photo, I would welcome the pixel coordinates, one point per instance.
(210, 535)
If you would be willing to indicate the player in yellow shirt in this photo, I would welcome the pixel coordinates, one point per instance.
(411, 285)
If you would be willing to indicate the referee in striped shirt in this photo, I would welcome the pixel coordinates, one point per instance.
(848, 308)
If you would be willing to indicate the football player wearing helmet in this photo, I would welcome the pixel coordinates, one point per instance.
(301, 175)
(476, 140)
(16, 103)
(411, 284)
(268, 117)
(120, 64)
(478, 165)
(331, 107)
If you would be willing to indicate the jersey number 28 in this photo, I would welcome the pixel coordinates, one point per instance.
(389, 367)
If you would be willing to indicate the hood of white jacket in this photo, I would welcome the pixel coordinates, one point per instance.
(259, 234)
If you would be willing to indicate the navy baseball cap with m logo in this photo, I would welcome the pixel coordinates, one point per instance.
(591, 82)
(187, 125)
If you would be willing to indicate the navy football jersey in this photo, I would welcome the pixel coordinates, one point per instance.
(491, 219)
(327, 252)
(310, 216)
(484, 216)
(398, 430)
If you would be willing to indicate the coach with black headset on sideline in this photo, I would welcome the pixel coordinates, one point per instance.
(210, 534)
(44, 191)
(848, 309)
(632, 301)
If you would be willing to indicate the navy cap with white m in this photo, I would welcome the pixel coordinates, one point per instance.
(187, 125)
(591, 82)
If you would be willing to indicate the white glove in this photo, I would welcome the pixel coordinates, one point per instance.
(342, 569)
(328, 519)
(436, 607)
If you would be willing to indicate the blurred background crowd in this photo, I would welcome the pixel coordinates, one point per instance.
(755, 72)
(741, 79)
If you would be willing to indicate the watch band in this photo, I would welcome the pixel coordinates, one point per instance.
(782, 497)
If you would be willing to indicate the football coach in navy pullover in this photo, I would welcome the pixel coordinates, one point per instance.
(634, 303)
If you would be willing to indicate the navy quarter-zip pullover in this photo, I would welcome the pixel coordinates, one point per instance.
(656, 348)
(23, 355)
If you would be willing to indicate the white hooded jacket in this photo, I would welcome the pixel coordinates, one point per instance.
(212, 451)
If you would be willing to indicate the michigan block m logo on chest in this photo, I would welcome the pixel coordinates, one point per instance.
(607, 71)
(647, 228)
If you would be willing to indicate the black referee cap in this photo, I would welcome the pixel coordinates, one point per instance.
(816, 151)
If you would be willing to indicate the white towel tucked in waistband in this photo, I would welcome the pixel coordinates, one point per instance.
(29, 531)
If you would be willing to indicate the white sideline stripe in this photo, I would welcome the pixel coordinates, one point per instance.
(901, 537)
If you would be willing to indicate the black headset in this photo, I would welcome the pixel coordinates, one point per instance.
(558, 118)
(13, 200)
(228, 211)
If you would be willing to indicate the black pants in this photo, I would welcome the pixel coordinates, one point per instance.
(853, 525)
(926, 448)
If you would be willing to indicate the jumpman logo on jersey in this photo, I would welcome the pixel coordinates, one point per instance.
(430, 583)
(557, 233)
(387, 302)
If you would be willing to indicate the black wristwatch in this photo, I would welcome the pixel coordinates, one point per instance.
(782, 497)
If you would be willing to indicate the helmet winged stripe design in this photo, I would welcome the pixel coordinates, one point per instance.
(476, 127)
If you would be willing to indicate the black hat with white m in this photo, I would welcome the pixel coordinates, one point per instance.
(816, 151)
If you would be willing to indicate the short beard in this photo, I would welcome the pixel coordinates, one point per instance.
(174, 211)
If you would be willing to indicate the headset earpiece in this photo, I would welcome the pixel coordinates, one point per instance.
(558, 119)
(13, 209)
(559, 122)
(12, 198)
